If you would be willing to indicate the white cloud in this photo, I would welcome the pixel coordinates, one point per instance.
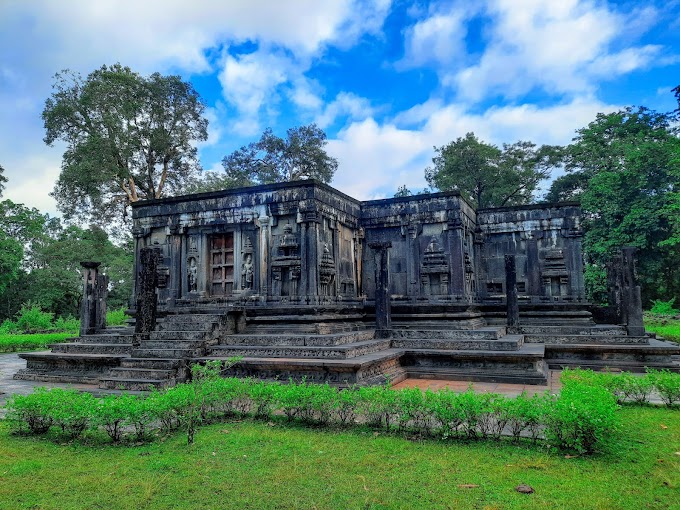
(438, 38)
(249, 83)
(376, 159)
(345, 104)
(559, 47)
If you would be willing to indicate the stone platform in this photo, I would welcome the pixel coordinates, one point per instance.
(343, 349)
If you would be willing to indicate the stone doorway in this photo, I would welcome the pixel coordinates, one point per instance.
(222, 264)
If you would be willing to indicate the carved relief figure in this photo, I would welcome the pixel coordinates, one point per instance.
(192, 273)
(327, 271)
(247, 272)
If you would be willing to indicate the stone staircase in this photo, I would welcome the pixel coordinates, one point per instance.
(342, 349)
(163, 360)
(424, 348)
(315, 348)
(435, 351)
(85, 359)
(601, 347)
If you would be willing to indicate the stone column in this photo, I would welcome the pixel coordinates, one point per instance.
(456, 256)
(413, 284)
(383, 318)
(632, 300)
(512, 304)
(533, 267)
(265, 223)
(102, 293)
(145, 320)
(90, 303)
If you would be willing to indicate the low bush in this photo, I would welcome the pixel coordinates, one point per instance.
(667, 385)
(32, 411)
(664, 307)
(116, 317)
(628, 387)
(581, 419)
(32, 319)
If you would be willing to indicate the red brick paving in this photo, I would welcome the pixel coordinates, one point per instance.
(485, 387)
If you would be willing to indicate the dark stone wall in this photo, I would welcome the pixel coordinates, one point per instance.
(546, 240)
(307, 243)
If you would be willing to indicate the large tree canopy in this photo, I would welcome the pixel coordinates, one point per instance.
(3, 180)
(40, 262)
(128, 138)
(488, 175)
(301, 155)
(624, 168)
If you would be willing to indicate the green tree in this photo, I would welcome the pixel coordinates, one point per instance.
(128, 138)
(40, 262)
(624, 169)
(301, 155)
(3, 180)
(489, 176)
(403, 191)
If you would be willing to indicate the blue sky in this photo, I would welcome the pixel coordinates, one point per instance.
(387, 80)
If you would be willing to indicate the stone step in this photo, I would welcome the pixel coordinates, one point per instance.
(584, 329)
(336, 352)
(67, 367)
(114, 383)
(656, 352)
(375, 368)
(152, 363)
(142, 373)
(547, 338)
(318, 328)
(505, 343)
(174, 344)
(102, 339)
(438, 324)
(486, 333)
(483, 365)
(297, 340)
(508, 376)
(177, 335)
(167, 353)
(611, 365)
(91, 348)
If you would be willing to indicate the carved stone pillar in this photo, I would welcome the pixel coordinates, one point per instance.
(411, 261)
(145, 320)
(93, 305)
(383, 317)
(632, 300)
(512, 305)
(456, 256)
(265, 227)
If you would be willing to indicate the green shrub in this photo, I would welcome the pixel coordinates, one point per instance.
(31, 319)
(67, 325)
(114, 412)
(447, 412)
(664, 307)
(264, 397)
(583, 418)
(9, 327)
(667, 385)
(526, 415)
(345, 406)
(116, 317)
(33, 411)
(71, 410)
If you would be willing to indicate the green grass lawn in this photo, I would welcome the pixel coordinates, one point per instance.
(17, 343)
(667, 328)
(260, 466)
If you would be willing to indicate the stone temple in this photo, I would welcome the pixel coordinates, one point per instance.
(303, 281)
